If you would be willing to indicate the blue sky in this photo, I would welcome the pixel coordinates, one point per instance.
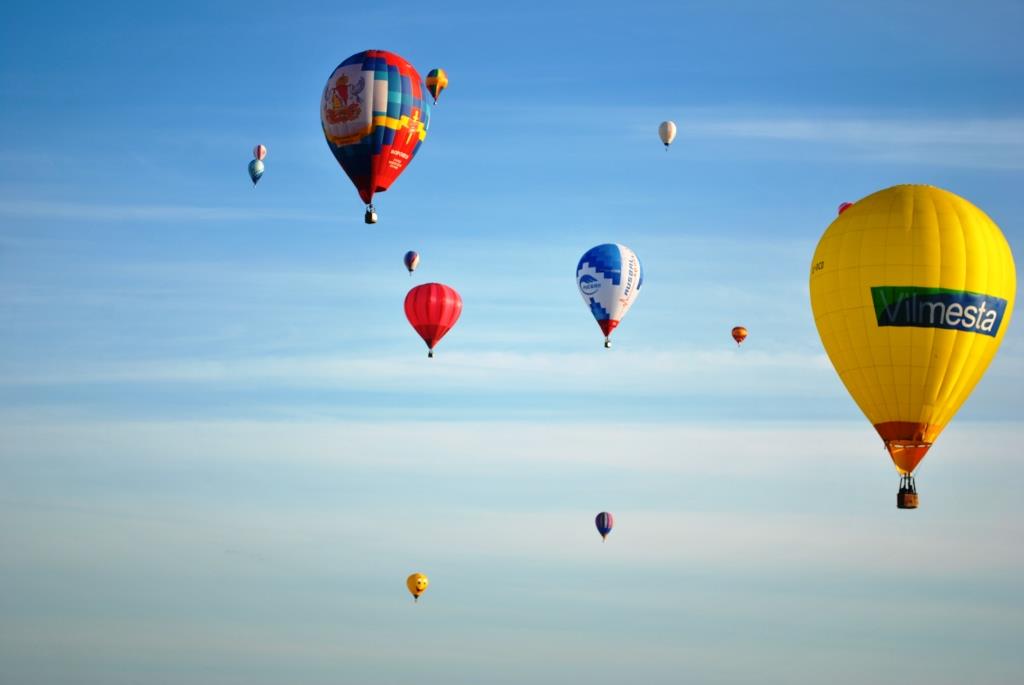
(223, 447)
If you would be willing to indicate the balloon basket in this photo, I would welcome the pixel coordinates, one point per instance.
(607, 344)
(371, 216)
(906, 498)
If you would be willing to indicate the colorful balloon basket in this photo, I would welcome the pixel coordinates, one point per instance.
(906, 498)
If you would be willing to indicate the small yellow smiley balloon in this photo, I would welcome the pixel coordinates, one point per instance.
(417, 584)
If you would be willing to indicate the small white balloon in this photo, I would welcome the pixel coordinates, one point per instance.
(667, 132)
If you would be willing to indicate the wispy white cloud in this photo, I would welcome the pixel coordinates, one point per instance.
(142, 212)
(850, 134)
(720, 372)
(864, 130)
(445, 446)
(969, 142)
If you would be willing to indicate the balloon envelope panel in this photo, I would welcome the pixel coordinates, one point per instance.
(912, 290)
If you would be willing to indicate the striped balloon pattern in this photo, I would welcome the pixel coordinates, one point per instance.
(432, 310)
(604, 522)
(609, 277)
(260, 152)
(375, 118)
(412, 260)
(437, 81)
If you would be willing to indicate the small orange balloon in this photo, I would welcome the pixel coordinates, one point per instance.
(739, 334)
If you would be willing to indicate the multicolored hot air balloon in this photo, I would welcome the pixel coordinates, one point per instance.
(912, 290)
(417, 584)
(437, 81)
(609, 277)
(667, 133)
(604, 522)
(845, 206)
(260, 152)
(375, 118)
(412, 260)
(432, 309)
(255, 170)
(739, 334)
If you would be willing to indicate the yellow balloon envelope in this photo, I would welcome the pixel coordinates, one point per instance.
(912, 290)
(417, 584)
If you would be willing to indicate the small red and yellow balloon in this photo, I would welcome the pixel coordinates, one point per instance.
(739, 334)
(437, 81)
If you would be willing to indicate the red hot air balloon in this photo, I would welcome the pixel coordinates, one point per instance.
(739, 334)
(845, 206)
(432, 309)
(260, 152)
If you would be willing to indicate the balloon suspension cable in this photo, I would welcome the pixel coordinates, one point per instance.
(416, 599)
(666, 147)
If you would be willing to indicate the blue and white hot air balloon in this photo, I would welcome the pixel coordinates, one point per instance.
(255, 171)
(609, 277)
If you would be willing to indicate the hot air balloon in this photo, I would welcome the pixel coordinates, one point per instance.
(432, 309)
(845, 206)
(412, 260)
(667, 133)
(260, 152)
(437, 81)
(375, 117)
(417, 584)
(609, 277)
(604, 522)
(739, 334)
(912, 290)
(255, 170)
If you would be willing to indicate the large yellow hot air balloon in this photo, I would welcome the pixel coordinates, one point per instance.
(912, 290)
